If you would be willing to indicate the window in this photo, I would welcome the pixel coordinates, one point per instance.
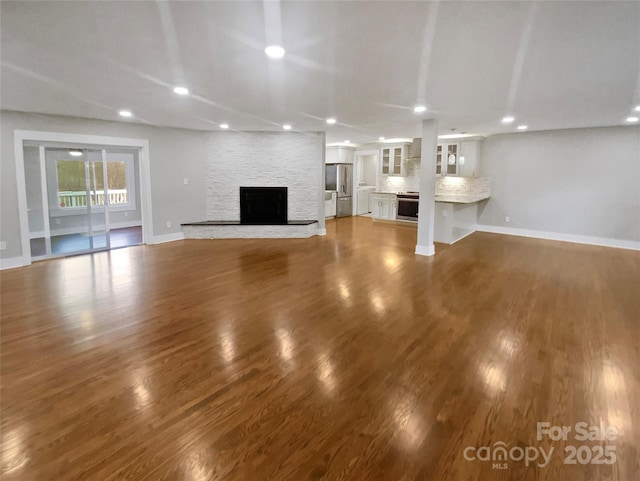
(75, 176)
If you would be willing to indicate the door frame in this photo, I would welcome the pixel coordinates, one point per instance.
(356, 172)
(93, 141)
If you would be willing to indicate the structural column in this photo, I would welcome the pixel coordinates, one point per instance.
(321, 224)
(427, 204)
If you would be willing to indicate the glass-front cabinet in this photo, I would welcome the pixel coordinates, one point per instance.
(392, 159)
(448, 159)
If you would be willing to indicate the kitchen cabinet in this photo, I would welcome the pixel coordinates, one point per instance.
(392, 159)
(452, 152)
(339, 155)
(330, 204)
(384, 206)
(447, 158)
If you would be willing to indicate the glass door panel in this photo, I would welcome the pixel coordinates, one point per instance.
(452, 159)
(99, 200)
(78, 216)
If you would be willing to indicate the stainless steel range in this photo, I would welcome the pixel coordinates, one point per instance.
(408, 206)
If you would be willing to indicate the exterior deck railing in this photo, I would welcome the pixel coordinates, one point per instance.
(79, 198)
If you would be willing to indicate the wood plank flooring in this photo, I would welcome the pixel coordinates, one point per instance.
(343, 357)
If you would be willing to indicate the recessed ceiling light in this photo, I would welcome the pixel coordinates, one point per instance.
(224, 126)
(347, 141)
(637, 109)
(522, 127)
(419, 108)
(507, 120)
(274, 51)
(181, 90)
(380, 138)
(75, 153)
(331, 121)
(125, 113)
(286, 127)
(632, 119)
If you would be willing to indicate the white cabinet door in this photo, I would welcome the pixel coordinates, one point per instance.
(392, 159)
(339, 155)
(345, 155)
(384, 207)
(376, 207)
(393, 208)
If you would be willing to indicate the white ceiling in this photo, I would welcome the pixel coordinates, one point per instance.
(551, 64)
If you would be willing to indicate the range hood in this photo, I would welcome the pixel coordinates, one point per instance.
(415, 149)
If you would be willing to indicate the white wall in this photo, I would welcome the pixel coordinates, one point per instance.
(174, 154)
(583, 182)
(264, 159)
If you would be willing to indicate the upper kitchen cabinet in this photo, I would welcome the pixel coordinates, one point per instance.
(392, 159)
(339, 155)
(458, 158)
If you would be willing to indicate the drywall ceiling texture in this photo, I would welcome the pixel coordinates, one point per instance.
(264, 159)
(174, 154)
(580, 181)
(551, 64)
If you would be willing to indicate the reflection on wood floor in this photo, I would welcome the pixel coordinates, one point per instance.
(72, 243)
(343, 357)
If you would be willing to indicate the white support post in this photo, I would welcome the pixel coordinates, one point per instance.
(426, 208)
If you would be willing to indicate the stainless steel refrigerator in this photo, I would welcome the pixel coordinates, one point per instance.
(339, 179)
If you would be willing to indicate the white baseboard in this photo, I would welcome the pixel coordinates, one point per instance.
(578, 239)
(11, 263)
(161, 239)
(322, 232)
(425, 250)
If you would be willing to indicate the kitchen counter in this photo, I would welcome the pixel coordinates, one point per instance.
(461, 198)
(384, 193)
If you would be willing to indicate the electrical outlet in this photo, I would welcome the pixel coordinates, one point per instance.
(3, 246)
(58, 221)
(186, 181)
(168, 224)
(507, 219)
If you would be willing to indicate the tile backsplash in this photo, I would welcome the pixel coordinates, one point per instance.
(407, 183)
(463, 185)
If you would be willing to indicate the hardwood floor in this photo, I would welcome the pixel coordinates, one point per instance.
(343, 357)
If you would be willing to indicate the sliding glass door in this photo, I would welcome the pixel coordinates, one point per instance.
(77, 191)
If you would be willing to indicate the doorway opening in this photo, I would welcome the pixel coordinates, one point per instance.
(79, 198)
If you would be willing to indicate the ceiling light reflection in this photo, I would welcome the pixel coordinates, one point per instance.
(227, 346)
(377, 303)
(391, 261)
(326, 372)
(493, 376)
(286, 344)
(14, 455)
(409, 422)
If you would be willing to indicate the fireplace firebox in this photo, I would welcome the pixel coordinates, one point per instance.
(263, 205)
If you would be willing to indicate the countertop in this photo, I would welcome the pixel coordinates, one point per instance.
(461, 198)
(449, 198)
